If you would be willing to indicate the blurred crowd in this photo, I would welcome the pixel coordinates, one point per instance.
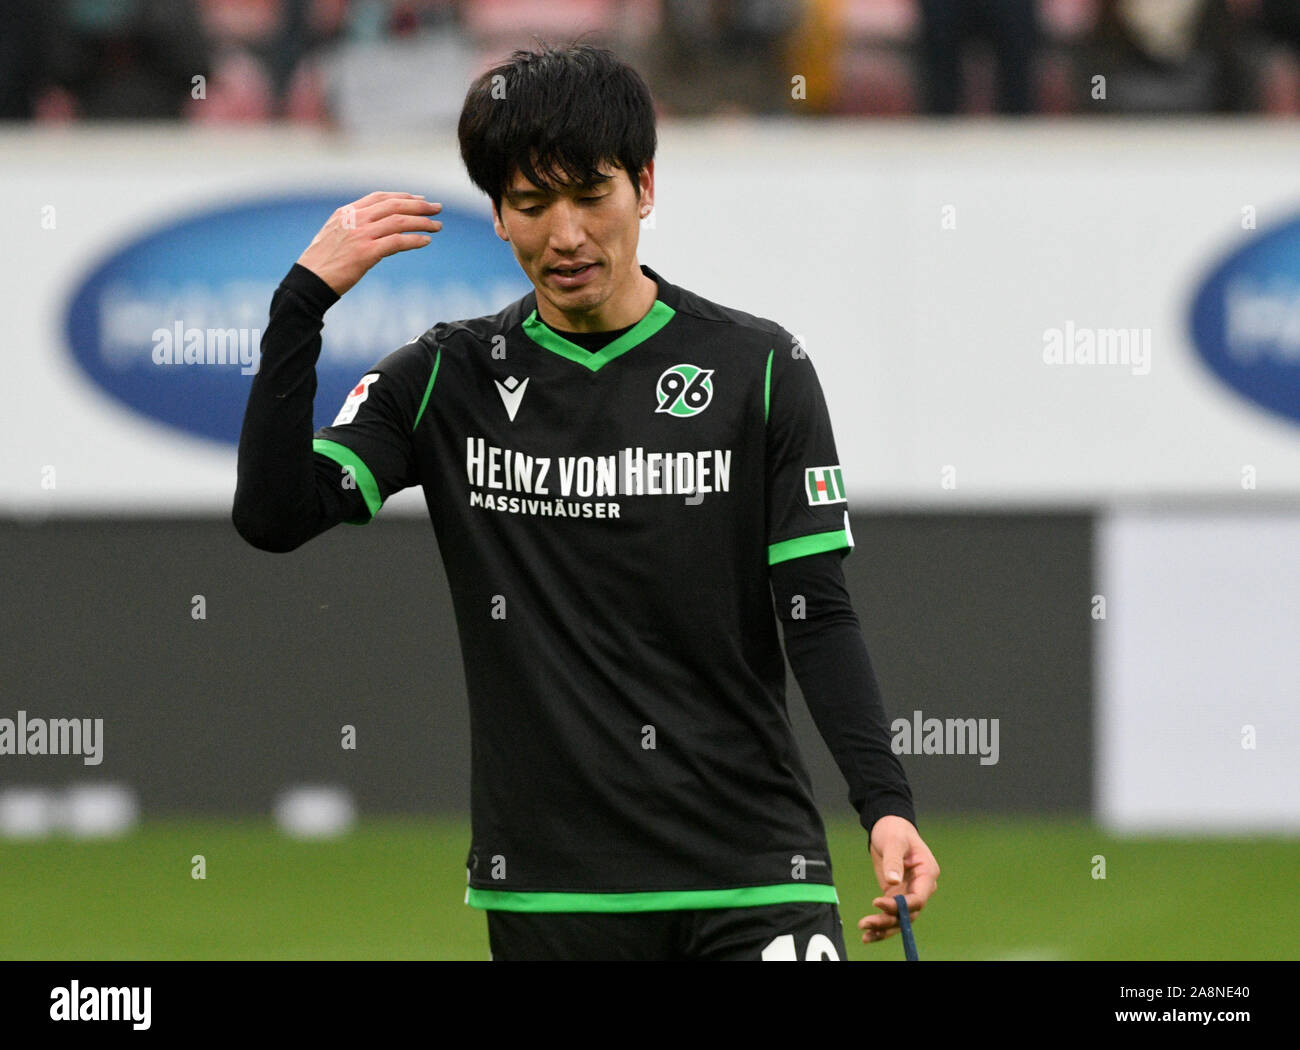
(398, 64)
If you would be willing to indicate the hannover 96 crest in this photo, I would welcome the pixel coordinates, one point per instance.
(685, 390)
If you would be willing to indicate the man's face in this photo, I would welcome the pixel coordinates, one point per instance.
(577, 244)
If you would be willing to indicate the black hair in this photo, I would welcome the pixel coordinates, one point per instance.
(555, 115)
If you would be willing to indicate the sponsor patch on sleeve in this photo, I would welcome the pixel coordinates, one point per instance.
(357, 395)
(824, 485)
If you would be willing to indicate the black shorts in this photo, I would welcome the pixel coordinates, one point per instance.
(786, 932)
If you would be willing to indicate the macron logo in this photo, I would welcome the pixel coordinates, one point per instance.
(512, 393)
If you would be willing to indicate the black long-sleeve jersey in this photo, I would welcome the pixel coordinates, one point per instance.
(614, 523)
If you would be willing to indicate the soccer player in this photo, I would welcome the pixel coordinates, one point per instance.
(621, 475)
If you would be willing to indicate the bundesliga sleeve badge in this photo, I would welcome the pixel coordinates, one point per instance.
(824, 485)
(357, 395)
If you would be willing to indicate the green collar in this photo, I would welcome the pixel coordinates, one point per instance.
(656, 317)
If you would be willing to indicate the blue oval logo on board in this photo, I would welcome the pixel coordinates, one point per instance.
(171, 324)
(1246, 321)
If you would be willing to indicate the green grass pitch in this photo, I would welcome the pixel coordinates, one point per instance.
(393, 889)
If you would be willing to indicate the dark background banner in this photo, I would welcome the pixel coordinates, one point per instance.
(965, 616)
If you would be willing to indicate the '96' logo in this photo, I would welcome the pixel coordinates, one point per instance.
(685, 390)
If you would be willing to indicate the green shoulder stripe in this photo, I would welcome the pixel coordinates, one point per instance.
(428, 389)
(767, 385)
(345, 457)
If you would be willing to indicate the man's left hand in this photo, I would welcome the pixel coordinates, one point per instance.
(904, 864)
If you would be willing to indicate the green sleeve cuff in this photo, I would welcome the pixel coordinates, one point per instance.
(802, 545)
(345, 457)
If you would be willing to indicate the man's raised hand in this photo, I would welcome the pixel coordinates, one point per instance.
(359, 234)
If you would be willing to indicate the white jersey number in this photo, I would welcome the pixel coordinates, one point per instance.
(782, 949)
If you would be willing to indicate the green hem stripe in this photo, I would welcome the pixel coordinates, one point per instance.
(345, 457)
(536, 329)
(664, 900)
(801, 545)
(428, 389)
